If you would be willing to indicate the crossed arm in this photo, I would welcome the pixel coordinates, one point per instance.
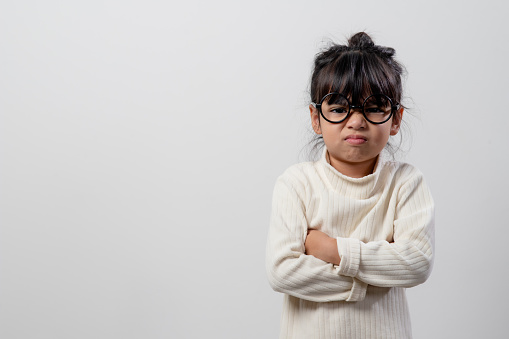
(299, 260)
(289, 269)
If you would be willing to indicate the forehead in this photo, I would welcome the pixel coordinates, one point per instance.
(354, 93)
(355, 87)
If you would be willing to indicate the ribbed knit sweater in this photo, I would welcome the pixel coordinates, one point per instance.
(384, 226)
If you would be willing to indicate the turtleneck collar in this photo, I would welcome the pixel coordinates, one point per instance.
(360, 188)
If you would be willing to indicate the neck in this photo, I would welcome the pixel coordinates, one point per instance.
(353, 169)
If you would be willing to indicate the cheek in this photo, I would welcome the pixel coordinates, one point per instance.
(330, 132)
(383, 136)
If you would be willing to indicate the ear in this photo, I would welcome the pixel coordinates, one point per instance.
(315, 119)
(396, 121)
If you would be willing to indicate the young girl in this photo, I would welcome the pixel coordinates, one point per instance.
(351, 231)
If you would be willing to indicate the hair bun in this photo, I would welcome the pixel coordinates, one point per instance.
(361, 41)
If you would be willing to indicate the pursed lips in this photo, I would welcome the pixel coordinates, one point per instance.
(356, 139)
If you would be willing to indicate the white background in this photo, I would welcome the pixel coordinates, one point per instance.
(140, 142)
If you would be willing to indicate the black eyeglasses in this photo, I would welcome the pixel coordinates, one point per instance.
(377, 108)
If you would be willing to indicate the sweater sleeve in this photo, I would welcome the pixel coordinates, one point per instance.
(289, 269)
(408, 260)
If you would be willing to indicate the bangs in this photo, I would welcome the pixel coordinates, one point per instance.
(358, 75)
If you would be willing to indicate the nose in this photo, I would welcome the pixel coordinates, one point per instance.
(356, 120)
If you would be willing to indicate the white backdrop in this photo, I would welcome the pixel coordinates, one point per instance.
(140, 142)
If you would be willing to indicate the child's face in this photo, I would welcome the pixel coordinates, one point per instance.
(354, 141)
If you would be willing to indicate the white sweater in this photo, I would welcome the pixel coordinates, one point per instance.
(384, 225)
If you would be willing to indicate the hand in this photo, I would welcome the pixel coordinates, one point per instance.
(321, 246)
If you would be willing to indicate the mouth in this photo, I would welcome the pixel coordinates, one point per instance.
(356, 139)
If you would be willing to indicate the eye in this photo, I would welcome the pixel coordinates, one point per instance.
(374, 109)
(339, 110)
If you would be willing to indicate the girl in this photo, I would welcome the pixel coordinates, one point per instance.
(351, 231)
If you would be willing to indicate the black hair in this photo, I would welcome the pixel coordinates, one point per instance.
(356, 70)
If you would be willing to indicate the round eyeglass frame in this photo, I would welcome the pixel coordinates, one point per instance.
(394, 107)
